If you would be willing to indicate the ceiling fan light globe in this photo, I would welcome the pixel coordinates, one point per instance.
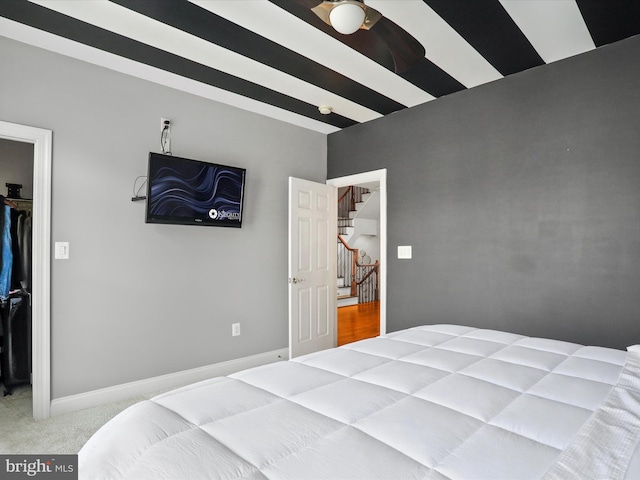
(347, 18)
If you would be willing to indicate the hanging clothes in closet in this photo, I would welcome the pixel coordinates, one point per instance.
(15, 295)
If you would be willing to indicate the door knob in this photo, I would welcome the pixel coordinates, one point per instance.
(295, 280)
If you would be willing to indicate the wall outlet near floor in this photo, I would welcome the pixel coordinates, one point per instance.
(235, 329)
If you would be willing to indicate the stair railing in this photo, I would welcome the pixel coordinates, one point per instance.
(368, 283)
(347, 265)
(362, 278)
(347, 203)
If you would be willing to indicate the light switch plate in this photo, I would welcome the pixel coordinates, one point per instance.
(235, 329)
(62, 250)
(404, 251)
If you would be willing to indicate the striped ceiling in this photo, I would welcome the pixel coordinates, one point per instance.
(277, 58)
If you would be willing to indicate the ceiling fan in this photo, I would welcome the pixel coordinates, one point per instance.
(347, 16)
(362, 28)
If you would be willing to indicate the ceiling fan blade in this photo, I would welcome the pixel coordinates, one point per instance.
(405, 49)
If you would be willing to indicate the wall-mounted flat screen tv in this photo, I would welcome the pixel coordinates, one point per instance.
(192, 192)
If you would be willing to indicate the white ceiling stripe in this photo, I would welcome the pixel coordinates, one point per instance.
(278, 25)
(443, 45)
(38, 38)
(555, 28)
(123, 21)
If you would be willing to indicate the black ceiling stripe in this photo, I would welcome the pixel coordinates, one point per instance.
(488, 28)
(200, 22)
(610, 21)
(425, 75)
(431, 78)
(53, 22)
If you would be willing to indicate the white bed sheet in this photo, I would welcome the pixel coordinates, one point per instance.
(433, 402)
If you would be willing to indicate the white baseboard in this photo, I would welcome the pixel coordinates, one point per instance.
(124, 391)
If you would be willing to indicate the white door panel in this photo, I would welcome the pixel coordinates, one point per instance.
(312, 266)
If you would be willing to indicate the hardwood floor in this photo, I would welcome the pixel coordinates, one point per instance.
(358, 322)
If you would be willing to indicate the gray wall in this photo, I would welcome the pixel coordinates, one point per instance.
(521, 199)
(137, 300)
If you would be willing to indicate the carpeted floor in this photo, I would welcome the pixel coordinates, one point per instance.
(66, 433)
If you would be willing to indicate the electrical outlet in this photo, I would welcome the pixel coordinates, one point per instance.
(235, 329)
(165, 135)
(165, 122)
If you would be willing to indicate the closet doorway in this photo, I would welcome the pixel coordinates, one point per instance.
(40, 139)
(16, 188)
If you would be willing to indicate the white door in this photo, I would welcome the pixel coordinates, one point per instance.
(312, 266)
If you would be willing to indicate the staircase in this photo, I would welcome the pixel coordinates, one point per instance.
(349, 204)
(344, 294)
(357, 280)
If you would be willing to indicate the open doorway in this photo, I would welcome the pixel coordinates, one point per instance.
(40, 260)
(357, 319)
(16, 189)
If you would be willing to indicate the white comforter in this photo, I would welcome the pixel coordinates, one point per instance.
(433, 402)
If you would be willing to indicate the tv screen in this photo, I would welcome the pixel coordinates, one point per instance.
(191, 192)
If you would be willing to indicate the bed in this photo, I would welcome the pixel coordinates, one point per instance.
(431, 402)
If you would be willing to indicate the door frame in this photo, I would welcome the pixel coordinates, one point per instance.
(41, 260)
(379, 176)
